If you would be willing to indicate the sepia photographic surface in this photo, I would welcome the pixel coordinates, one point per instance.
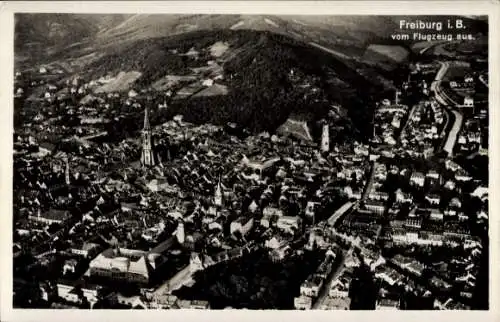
(244, 161)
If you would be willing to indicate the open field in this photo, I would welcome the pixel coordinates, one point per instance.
(219, 48)
(171, 80)
(120, 83)
(296, 128)
(397, 54)
(214, 90)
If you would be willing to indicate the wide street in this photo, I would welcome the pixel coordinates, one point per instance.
(177, 281)
(446, 101)
(452, 136)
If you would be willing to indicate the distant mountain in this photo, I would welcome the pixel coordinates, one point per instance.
(47, 34)
(151, 25)
(37, 36)
(350, 34)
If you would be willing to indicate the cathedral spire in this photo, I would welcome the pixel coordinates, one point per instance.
(218, 194)
(147, 157)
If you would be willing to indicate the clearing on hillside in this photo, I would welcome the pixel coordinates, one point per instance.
(120, 83)
(219, 48)
(214, 90)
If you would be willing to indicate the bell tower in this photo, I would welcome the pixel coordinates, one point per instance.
(66, 170)
(325, 138)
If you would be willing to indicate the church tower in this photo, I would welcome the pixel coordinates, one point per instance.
(396, 97)
(147, 157)
(218, 195)
(66, 171)
(179, 233)
(325, 139)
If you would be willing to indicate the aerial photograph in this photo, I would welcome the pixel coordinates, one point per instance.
(260, 162)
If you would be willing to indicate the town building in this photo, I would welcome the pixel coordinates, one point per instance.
(87, 249)
(70, 266)
(312, 286)
(387, 304)
(402, 197)
(242, 224)
(126, 264)
(339, 289)
(377, 207)
(52, 216)
(417, 179)
(302, 302)
(74, 292)
(270, 214)
(468, 101)
(289, 224)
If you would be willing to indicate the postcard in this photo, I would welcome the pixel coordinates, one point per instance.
(249, 157)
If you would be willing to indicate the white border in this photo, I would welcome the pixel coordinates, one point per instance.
(7, 9)
(389, 7)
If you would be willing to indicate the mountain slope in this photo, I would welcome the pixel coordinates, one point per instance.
(38, 36)
(268, 77)
(350, 34)
(45, 31)
(258, 90)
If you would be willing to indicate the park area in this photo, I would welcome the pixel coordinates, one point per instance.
(253, 281)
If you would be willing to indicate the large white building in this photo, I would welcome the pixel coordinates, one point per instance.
(126, 264)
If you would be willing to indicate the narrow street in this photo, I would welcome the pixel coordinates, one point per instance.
(410, 115)
(339, 212)
(369, 183)
(325, 290)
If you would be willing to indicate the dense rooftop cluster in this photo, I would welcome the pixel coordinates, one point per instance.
(107, 218)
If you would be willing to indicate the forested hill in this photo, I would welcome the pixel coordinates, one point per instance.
(268, 76)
